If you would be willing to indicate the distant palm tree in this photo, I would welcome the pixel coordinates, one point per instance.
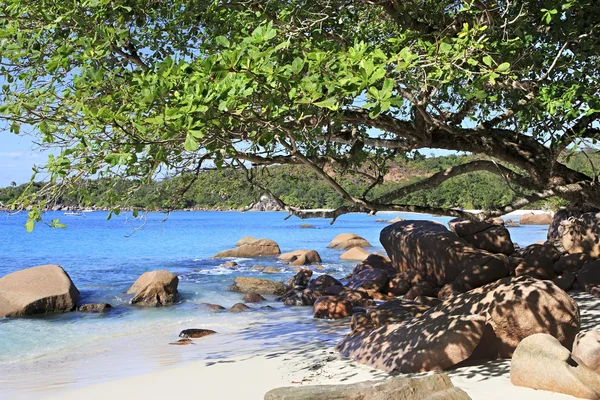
(13, 184)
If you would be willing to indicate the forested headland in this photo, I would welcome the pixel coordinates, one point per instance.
(228, 189)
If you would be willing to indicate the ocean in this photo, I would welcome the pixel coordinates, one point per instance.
(104, 257)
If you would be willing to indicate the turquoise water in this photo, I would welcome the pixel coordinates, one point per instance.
(104, 258)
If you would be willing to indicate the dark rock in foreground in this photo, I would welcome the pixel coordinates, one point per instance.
(436, 386)
(195, 333)
(154, 289)
(38, 290)
(437, 254)
(485, 323)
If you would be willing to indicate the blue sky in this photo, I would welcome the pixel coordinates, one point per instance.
(17, 157)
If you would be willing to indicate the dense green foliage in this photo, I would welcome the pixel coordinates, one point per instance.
(229, 189)
(128, 90)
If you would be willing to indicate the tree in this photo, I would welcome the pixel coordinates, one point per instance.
(139, 89)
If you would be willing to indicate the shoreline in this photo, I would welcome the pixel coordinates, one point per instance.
(306, 364)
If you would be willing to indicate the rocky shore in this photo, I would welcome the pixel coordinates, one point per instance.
(439, 298)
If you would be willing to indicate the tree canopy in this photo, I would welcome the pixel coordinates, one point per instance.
(141, 89)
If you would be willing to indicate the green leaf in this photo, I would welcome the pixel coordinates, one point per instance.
(29, 225)
(190, 143)
(330, 103)
(222, 40)
(503, 67)
(487, 60)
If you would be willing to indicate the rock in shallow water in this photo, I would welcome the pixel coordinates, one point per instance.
(195, 333)
(258, 286)
(95, 308)
(239, 307)
(183, 342)
(346, 241)
(396, 388)
(253, 298)
(38, 290)
(250, 247)
(154, 288)
(330, 307)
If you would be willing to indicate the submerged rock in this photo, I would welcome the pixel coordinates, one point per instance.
(183, 342)
(213, 307)
(541, 362)
(154, 288)
(38, 290)
(195, 333)
(239, 307)
(258, 286)
(438, 387)
(95, 308)
(253, 298)
(271, 270)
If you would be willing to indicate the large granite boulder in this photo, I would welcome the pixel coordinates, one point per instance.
(331, 307)
(541, 362)
(38, 290)
(417, 345)
(300, 279)
(588, 278)
(323, 282)
(429, 248)
(480, 272)
(346, 241)
(492, 237)
(554, 231)
(301, 257)
(535, 219)
(581, 234)
(538, 261)
(154, 288)
(514, 309)
(369, 280)
(571, 263)
(258, 286)
(434, 387)
(375, 261)
(249, 247)
(482, 324)
(587, 349)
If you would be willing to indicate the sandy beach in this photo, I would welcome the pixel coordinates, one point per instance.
(251, 376)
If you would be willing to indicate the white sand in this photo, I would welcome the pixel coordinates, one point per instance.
(250, 377)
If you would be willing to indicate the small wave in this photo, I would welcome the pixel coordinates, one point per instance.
(215, 271)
